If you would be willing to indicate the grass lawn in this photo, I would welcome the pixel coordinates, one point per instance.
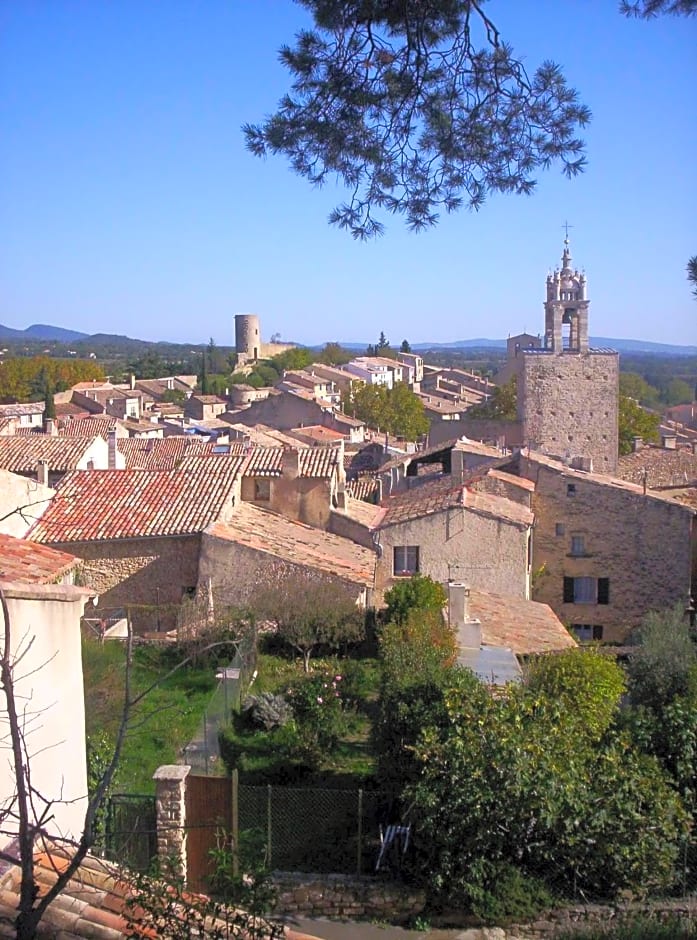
(161, 725)
(264, 753)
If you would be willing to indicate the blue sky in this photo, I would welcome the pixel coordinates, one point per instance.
(128, 203)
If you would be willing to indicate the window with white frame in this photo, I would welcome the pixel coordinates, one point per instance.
(405, 559)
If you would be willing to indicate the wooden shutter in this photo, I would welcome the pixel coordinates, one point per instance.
(568, 590)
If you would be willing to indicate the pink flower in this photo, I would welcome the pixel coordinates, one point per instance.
(319, 699)
(337, 678)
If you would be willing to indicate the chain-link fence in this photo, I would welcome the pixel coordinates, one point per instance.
(314, 829)
(202, 753)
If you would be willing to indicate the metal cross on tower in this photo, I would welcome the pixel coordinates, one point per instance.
(566, 228)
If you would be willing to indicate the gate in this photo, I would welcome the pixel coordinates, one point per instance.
(131, 830)
(208, 812)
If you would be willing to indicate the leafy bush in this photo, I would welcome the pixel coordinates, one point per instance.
(318, 713)
(511, 895)
(420, 592)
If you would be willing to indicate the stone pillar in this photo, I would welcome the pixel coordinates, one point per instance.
(170, 803)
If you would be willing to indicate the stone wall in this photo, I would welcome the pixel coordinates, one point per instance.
(477, 429)
(642, 544)
(491, 553)
(154, 573)
(238, 572)
(568, 404)
(341, 896)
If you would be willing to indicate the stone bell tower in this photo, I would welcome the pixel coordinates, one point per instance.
(566, 308)
(568, 393)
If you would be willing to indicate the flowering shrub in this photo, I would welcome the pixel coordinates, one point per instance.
(319, 715)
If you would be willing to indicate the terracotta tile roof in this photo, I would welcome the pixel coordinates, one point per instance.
(526, 627)
(21, 454)
(98, 426)
(297, 543)
(444, 493)
(315, 462)
(30, 563)
(664, 467)
(365, 488)
(319, 433)
(510, 478)
(95, 505)
(22, 408)
(94, 903)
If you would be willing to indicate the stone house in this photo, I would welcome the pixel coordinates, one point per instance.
(257, 547)
(446, 530)
(45, 614)
(605, 552)
(300, 483)
(47, 458)
(139, 533)
(111, 400)
(23, 414)
(204, 407)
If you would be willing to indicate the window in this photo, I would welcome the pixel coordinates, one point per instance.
(406, 559)
(560, 528)
(570, 489)
(577, 545)
(586, 591)
(262, 489)
(585, 632)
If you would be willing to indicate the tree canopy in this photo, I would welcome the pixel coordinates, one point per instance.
(417, 107)
(635, 421)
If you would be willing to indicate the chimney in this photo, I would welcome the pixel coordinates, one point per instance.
(51, 427)
(469, 630)
(457, 463)
(132, 382)
(291, 463)
(636, 443)
(669, 441)
(42, 472)
(111, 445)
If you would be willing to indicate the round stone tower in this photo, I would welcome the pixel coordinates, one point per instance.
(247, 337)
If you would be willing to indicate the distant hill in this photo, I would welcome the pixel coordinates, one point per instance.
(621, 345)
(42, 331)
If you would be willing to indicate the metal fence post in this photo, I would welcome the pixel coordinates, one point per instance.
(359, 851)
(235, 827)
(268, 825)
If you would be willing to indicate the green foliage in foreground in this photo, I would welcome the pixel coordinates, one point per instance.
(420, 592)
(635, 421)
(520, 781)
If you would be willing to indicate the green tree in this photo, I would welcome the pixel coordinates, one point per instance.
(405, 347)
(692, 274)
(406, 416)
(420, 592)
(417, 107)
(663, 662)
(678, 392)
(382, 344)
(49, 401)
(310, 614)
(517, 781)
(203, 376)
(291, 359)
(635, 421)
(334, 354)
(633, 385)
(501, 406)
